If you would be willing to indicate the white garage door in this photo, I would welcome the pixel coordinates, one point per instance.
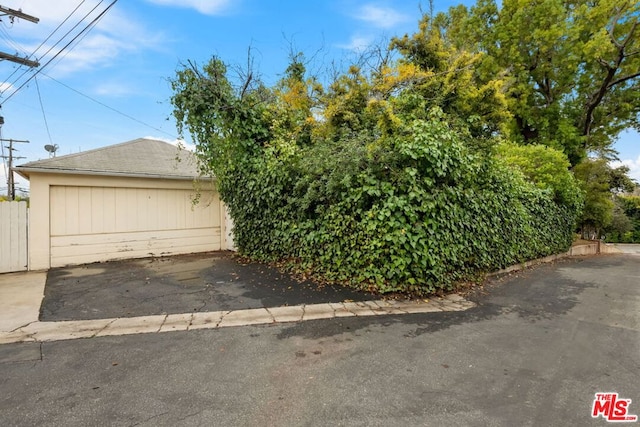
(90, 224)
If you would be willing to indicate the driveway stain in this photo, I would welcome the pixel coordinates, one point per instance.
(215, 281)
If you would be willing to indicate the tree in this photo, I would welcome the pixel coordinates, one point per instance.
(345, 103)
(572, 67)
(290, 110)
(625, 224)
(546, 167)
(595, 177)
(620, 181)
(448, 76)
(225, 121)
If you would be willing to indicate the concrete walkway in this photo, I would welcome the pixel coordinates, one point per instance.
(20, 298)
(21, 295)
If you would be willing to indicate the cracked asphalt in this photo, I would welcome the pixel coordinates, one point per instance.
(193, 283)
(533, 352)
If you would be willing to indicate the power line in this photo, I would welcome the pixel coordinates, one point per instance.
(66, 49)
(44, 116)
(9, 40)
(62, 23)
(77, 42)
(54, 45)
(110, 108)
(51, 35)
(87, 28)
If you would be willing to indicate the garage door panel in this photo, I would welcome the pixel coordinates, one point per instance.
(81, 249)
(90, 224)
(98, 210)
(71, 210)
(57, 210)
(84, 210)
(106, 221)
(87, 258)
(121, 210)
(113, 238)
(161, 201)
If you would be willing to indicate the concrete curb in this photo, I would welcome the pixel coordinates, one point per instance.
(595, 248)
(527, 264)
(75, 329)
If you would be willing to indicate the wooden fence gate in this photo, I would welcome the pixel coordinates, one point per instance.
(13, 236)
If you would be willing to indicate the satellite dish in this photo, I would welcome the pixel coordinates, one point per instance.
(51, 149)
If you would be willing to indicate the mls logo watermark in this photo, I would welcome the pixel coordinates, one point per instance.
(612, 408)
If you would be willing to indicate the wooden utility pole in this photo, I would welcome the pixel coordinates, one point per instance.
(17, 14)
(19, 60)
(12, 13)
(11, 185)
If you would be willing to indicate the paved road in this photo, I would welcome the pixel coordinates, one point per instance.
(533, 353)
(628, 248)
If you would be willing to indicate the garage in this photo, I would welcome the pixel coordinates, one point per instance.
(136, 199)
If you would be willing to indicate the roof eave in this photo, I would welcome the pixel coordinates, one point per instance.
(26, 171)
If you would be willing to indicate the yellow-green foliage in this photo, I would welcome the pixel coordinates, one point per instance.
(545, 167)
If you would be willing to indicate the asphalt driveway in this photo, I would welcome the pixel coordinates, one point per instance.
(180, 284)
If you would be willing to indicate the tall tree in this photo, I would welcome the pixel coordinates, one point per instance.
(572, 67)
(449, 76)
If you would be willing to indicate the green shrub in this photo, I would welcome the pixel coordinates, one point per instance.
(391, 199)
(412, 213)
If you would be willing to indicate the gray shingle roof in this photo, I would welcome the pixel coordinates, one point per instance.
(138, 158)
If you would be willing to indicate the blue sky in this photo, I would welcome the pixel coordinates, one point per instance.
(125, 60)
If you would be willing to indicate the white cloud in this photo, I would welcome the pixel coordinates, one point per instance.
(358, 43)
(5, 86)
(633, 165)
(381, 17)
(207, 7)
(113, 89)
(94, 51)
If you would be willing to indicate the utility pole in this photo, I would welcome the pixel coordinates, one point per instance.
(17, 14)
(12, 13)
(11, 186)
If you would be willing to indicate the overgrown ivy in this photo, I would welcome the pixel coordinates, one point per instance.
(414, 210)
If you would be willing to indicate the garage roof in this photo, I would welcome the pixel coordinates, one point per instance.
(145, 158)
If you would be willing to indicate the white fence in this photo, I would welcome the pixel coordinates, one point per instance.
(13, 236)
